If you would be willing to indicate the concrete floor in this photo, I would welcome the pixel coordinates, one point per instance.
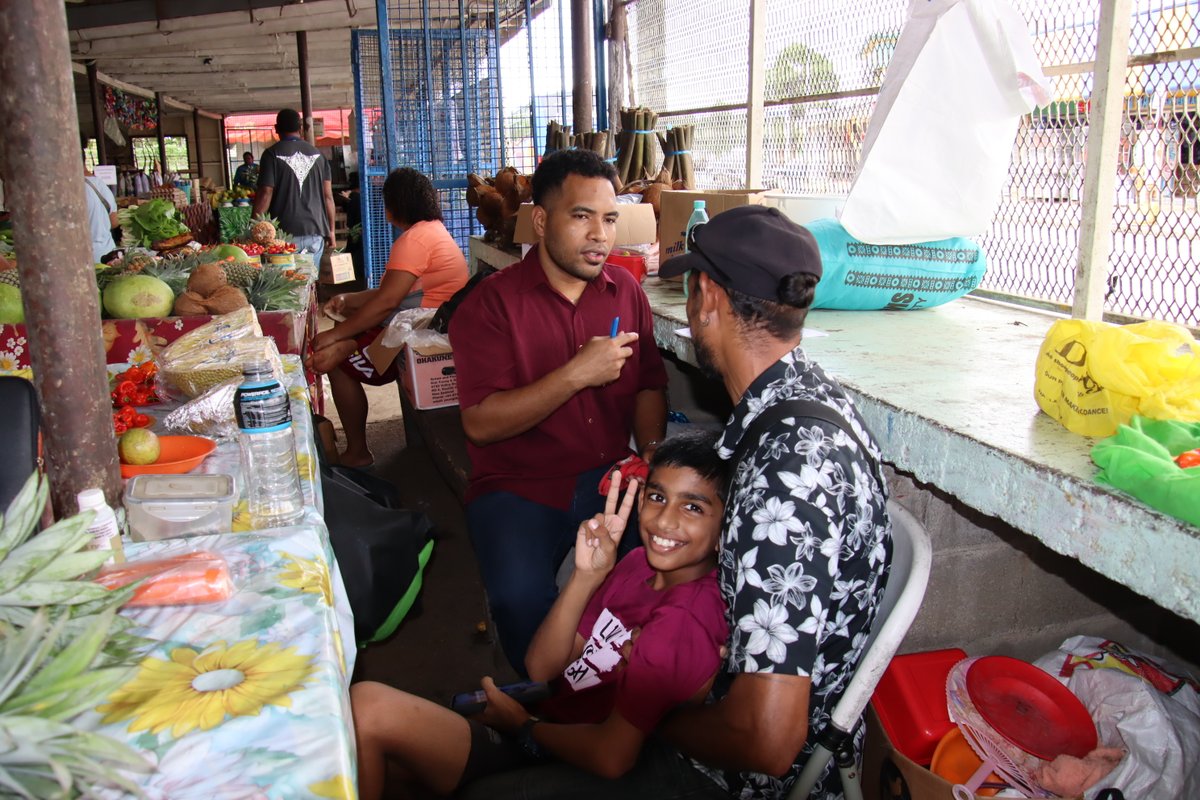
(444, 647)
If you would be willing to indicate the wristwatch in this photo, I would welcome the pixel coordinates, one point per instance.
(525, 737)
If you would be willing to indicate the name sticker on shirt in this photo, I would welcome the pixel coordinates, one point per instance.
(601, 653)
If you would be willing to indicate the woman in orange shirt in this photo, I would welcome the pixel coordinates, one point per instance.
(424, 269)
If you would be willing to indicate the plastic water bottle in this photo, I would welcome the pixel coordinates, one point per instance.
(699, 217)
(264, 417)
(106, 534)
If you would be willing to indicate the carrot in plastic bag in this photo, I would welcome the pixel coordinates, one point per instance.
(188, 579)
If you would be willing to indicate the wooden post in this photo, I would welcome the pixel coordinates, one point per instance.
(582, 58)
(224, 155)
(40, 154)
(199, 147)
(306, 109)
(97, 113)
(1100, 173)
(162, 139)
(754, 94)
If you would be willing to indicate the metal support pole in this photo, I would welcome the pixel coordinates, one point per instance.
(584, 62)
(224, 155)
(1100, 173)
(162, 139)
(306, 109)
(601, 74)
(387, 90)
(199, 147)
(754, 93)
(97, 113)
(40, 155)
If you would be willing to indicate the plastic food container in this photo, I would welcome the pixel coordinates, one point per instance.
(911, 701)
(170, 506)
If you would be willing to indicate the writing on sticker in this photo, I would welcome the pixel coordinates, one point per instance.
(601, 653)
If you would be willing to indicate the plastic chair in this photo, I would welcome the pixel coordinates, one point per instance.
(19, 409)
(911, 559)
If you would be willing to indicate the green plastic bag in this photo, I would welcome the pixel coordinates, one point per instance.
(1139, 459)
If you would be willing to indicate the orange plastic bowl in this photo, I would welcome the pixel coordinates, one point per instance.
(956, 761)
(176, 454)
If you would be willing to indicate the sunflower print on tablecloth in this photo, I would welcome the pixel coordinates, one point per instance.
(200, 689)
(307, 575)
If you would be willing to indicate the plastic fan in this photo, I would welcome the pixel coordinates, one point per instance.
(1000, 756)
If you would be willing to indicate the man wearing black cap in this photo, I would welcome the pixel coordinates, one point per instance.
(295, 186)
(807, 542)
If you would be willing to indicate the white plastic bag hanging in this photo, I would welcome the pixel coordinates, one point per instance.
(938, 146)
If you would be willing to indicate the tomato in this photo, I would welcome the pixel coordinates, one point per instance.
(1188, 459)
(141, 420)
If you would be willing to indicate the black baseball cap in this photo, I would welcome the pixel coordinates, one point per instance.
(750, 249)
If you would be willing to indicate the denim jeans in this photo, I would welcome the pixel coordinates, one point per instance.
(519, 545)
(313, 244)
(660, 774)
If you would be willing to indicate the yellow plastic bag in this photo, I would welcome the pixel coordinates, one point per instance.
(1093, 376)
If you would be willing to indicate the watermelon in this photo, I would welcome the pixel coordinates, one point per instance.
(136, 296)
(11, 310)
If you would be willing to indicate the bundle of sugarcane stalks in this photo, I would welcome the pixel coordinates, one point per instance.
(558, 137)
(676, 145)
(635, 144)
(599, 143)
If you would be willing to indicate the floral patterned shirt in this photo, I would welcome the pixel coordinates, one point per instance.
(805, 554)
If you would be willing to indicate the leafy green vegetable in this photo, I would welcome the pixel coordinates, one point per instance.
(151, 222)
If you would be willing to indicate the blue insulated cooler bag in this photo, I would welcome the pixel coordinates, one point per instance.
(861, 276)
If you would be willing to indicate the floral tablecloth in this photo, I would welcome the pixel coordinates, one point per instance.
(248, 699)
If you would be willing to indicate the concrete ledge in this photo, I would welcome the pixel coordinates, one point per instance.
(948, 393)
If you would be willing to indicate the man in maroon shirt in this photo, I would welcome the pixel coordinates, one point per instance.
(549, 396)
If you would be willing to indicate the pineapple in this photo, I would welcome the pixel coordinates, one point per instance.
(62, 651)
(272, 290)
(262, 232)
(173, 271)
(240, 273)
(137, 259)
(10, 277)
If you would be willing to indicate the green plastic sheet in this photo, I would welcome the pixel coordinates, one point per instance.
(1139, 459)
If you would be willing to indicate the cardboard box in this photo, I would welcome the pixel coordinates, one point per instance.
(884, 768)
(677, 210)
(635, 225)
(427, 375)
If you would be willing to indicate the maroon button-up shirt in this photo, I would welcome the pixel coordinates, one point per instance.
(515, 328)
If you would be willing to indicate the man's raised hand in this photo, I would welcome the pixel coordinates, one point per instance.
(600, 360)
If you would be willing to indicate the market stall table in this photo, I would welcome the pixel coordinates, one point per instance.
(248, 697)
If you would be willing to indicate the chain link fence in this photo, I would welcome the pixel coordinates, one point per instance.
(824, 61)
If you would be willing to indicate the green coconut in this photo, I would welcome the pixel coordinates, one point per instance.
(222, 252)
(137, 296)
(11, 310)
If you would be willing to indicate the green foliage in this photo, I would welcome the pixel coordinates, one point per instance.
(151, 222)
(63, 649)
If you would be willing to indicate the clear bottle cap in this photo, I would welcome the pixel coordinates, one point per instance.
(91, 499)
(258, 368)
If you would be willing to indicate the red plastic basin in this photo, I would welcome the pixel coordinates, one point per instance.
(911, 701)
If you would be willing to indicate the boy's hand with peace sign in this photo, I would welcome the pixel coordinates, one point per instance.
(597, 539)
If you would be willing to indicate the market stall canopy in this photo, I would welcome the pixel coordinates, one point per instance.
(223, 56)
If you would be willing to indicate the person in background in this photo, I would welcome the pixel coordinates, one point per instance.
(295, 187)
(102, 216)
(246, 176)
(608, 694)
(806, 544)
(557, 367)
(350, 201)
(425, 268)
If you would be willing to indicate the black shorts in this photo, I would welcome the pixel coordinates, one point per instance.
(493, 752)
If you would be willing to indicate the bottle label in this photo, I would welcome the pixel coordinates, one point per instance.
(262, 408)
